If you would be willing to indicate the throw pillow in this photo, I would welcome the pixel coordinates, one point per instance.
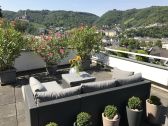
(35, 85)
(131, 79)
(51, 95)
(94, 86)
(120, 74)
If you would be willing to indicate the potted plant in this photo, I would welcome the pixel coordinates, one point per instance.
(51, 48)
(83, 119)
(153, 109)
(134, 111)
(86, 41)
(110, 116)
(75, 65)
(11, 43)
(52, 124)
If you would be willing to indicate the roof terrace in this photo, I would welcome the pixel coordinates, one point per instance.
(12, 108)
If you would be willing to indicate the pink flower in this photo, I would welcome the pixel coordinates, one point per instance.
(58, 34)
(62, 51)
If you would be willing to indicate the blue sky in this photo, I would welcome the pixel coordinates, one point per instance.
(97, 7)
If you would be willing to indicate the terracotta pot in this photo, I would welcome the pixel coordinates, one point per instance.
(110, 122)
(153, 112)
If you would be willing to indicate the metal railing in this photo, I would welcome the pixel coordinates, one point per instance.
(137, 54)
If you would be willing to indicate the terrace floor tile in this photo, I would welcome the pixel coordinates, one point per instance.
(20, 108)
(21, 120)
(5, 90)
(7, 110)
(18, 94)
(9, 121)
(7, 99)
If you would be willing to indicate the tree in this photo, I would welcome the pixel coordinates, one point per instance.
(158, 43)
(21, 25)
(143, 44)
(150, 44)
(133, 44)
(0, 12)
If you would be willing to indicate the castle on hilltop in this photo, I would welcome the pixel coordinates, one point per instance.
(24, 17)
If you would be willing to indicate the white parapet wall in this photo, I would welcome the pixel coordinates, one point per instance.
(149, 72)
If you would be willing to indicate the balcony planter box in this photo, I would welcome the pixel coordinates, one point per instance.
(134, 117)
(8, 76)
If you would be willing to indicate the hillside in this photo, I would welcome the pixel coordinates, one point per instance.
(135, 17)
(54, 18)
(128, 18)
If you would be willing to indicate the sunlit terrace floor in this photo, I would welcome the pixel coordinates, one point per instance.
(12, 111)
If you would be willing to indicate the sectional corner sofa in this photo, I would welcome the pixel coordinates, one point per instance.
(62, 107)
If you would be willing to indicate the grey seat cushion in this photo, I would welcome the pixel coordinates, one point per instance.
(35, 85)
(120, 74)
(131, 79)
(51, 95)
(94, 86)
(52, 86)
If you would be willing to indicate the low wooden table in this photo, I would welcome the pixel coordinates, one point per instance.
(77, 79)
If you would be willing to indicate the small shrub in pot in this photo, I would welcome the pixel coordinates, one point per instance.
(52, 124)
(135, 103)
(154, 100)
(83, 119)
(134, 111)
(110, 116)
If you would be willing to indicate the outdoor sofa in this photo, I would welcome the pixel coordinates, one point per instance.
(63, 105)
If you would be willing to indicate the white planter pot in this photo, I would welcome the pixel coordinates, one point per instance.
(110, 122)
(153, 112)
(166, 122)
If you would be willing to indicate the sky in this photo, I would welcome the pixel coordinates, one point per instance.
(97, 7)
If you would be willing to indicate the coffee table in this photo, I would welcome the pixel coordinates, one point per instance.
(76, 79)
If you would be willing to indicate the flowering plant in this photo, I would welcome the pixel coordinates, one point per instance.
(75, 62)
(51, 48)
(11, 43)
(86, 41)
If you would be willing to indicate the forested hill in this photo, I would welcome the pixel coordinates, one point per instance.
(54, 18)
(135, 17)
(128, 18)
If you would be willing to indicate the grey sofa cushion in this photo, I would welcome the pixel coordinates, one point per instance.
(51, 95)
(94, 86)
(35, 85)
(131, 79)
(120, 74)
(52, 86)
